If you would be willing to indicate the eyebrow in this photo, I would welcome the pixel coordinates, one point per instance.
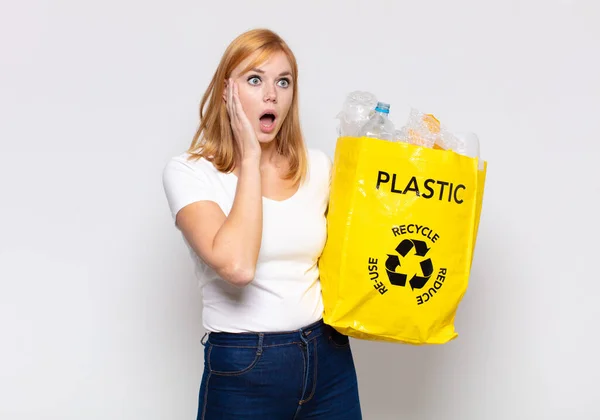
(285, 73)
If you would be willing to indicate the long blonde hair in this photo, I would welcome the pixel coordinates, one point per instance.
(214, 138)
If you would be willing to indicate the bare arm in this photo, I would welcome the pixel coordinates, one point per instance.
(230, 245)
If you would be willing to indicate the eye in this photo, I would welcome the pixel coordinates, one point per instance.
(284, 83)
(254, 80)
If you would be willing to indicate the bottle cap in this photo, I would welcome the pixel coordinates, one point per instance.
(383, 107)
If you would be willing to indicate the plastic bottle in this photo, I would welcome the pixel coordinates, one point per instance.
(355, 112)
(469, 146)
(379, 125)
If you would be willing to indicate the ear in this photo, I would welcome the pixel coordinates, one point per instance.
(225, 90)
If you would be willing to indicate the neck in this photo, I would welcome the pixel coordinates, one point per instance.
(269, 153)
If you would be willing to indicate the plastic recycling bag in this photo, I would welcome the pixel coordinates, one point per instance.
(402, 227)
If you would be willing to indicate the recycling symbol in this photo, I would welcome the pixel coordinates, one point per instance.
(403, 249)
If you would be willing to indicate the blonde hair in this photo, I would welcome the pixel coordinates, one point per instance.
(214, 137)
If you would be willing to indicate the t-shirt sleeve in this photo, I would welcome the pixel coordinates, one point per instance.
(323, 170)
(329, 168)
(325, 166)
(185, 183)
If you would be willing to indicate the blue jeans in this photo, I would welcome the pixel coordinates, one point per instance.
(303, 374)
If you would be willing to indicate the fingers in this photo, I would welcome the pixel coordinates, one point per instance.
(240, 125)
(238, 112)
(237, 104)
(232, 94)
(230, 97)
(236, 96)
(232, 106)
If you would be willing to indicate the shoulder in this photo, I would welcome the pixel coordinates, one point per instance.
(187, 180)
(319, 161)
(185, 169)
(319, 171)
(186, 163)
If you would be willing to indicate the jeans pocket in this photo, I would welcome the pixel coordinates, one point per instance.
(232, 361)
(338, 340)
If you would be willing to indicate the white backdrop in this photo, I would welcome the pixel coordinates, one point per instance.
(99, 310)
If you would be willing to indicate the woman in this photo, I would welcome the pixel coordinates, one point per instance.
(250, 200)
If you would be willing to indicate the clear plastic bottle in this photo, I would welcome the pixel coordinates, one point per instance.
(379, 125)
(468, 145)
(355, 112)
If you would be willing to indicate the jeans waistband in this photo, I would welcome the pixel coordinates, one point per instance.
(267, 339)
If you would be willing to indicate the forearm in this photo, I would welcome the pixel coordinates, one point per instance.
(237, 243)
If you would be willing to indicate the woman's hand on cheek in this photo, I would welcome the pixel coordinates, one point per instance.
(242, 128)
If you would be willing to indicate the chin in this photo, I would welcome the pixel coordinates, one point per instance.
(266, 138)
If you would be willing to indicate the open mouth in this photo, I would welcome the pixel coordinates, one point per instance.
(267, 121)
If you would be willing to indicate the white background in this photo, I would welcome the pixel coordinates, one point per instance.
(99, 310)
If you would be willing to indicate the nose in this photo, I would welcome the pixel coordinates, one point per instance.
(270, 93)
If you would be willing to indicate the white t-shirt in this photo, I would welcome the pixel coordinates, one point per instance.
(285, 293)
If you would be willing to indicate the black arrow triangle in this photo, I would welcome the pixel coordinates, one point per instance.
(427, 267)
(420, 248)
(397, 279)
(417, 282)
(392, 263)
(404, 247)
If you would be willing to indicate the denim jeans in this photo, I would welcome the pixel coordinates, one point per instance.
(304, 374)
